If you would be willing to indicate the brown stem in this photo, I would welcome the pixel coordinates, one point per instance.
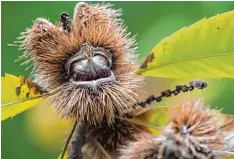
(65, 21)
(78, 142)
(199, 84)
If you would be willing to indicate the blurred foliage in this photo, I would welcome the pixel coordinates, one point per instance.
(151, 21)
(45, 129)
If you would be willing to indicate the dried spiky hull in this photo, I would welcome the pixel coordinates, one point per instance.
(49, 47)
(172, 147)
(195, 132)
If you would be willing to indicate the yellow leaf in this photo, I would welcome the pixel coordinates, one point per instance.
(154, 118)
(18, 95)
(65, 155)
(202, 50)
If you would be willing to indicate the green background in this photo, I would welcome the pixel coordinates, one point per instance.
(151, 21)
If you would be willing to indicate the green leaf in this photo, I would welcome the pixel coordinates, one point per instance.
(18, 95)
(203, 50)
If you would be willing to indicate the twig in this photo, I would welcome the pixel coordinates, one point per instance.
(68, 140)
(199, 84)
(65, 21)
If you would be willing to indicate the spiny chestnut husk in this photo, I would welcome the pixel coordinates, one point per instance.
(61, 55)
(195, 132)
